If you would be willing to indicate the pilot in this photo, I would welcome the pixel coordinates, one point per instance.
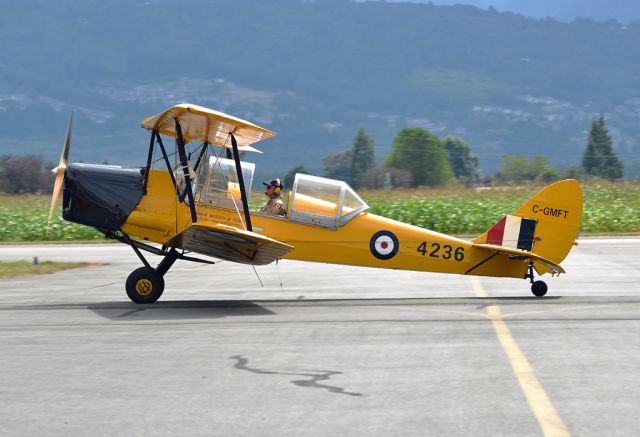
(275, 205)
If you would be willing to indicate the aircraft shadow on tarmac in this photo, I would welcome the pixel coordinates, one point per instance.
(177, 310)
(213, 309)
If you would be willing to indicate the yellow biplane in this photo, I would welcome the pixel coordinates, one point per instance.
(200, 205)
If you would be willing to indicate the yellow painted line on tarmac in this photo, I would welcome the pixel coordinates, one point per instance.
(548, 419)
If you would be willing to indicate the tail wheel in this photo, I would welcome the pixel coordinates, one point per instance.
(539, 288)
(144, 285)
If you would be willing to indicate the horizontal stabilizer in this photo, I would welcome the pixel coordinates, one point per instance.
(523, 255)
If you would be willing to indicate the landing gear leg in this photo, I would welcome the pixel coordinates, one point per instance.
(538, 288)
(146, 284)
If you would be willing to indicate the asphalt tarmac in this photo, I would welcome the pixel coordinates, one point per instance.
(320, 350)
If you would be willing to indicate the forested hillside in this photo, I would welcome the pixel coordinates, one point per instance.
(314, 72)
(624, 11)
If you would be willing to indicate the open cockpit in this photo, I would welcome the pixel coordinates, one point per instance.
(311, 200)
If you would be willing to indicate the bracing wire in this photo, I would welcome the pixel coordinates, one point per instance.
(278, 271)
(257, 276)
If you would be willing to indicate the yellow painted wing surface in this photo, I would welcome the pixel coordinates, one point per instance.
(231, 244)
(203, 124)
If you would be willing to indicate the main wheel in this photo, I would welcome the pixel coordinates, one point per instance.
(539, 288)
(144, 285)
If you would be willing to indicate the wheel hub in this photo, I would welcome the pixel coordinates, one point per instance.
(144, 287)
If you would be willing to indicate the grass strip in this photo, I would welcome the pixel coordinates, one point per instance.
(20, 268)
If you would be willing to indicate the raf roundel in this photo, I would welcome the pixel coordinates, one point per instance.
(384, 245)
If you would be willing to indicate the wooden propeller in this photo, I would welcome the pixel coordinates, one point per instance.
(60, 171)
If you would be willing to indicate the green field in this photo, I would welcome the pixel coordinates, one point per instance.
(24, 218)
(609, 208)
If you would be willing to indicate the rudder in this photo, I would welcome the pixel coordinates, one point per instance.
(557, 211)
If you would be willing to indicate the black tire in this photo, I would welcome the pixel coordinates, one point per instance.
(539, 288)
(144, 285)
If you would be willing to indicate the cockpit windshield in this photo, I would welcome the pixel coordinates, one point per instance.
(324, 202)
(218, 182)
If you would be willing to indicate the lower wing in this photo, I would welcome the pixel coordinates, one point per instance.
(232, 244)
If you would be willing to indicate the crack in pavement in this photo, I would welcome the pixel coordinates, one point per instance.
(319, 375)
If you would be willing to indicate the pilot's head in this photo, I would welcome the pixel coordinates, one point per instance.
(274, 187)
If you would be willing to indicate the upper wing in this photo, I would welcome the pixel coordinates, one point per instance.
(203, 124)
(521, 254)
(232, 244)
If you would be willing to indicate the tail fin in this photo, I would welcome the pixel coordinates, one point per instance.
(553, 217)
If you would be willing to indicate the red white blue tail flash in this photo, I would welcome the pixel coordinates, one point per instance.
(513, 232)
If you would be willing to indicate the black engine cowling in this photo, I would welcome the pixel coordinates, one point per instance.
(100, 196)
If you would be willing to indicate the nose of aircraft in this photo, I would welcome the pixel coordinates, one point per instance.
(101, 196)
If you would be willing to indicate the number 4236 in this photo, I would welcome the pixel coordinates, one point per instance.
(436, 250)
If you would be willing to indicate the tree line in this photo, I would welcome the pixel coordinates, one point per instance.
(417, 158)
(25, 175)
(420, 158)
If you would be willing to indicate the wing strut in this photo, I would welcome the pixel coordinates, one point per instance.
(155, 136)
(185, 170)
(152, 143)
(243, 194)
